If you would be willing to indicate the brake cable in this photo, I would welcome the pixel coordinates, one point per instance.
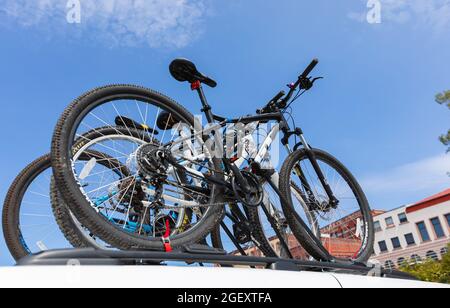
(297, 96)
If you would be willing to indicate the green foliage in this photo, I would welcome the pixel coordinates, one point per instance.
(445, 139)
(431, 271)
(444, 99)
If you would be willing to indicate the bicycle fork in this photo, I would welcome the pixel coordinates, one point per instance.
(334, 202)
(284, 200)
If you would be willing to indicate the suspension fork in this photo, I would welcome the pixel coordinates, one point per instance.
(302, 178)
(299, 219)
(334, 202)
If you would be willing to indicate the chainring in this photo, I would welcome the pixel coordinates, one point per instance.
(256, 196)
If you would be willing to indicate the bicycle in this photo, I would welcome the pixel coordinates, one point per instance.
(159, 167)
(33, 213)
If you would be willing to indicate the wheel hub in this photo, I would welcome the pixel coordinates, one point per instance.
(150, 159)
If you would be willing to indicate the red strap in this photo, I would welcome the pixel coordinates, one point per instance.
(166, 238)
(167, 234)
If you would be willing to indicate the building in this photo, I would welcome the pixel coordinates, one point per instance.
(339, 238)
(407, 234)
(413, 233)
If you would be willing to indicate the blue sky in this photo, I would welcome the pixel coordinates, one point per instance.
(374, 110)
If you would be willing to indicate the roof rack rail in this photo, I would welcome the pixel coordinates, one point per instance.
(189, 255)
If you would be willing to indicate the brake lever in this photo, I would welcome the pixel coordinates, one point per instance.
(315, 79)
(307, 83)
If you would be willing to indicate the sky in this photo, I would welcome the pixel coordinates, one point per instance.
(374, 110)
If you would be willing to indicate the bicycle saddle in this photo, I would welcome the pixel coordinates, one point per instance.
(184, 70)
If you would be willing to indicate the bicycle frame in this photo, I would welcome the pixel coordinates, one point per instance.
(262, 151)
(235, 168)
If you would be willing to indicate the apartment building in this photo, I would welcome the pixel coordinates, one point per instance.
(413, 233)
(410, 233)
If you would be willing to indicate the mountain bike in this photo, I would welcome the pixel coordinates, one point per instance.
(34, 214)
(304, 169)
(180, 173)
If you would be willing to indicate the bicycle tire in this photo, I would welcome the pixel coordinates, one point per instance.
(76, 200)
(304, 239)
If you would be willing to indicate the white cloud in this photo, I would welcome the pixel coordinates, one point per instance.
(430, 13)
(172, 23)
(425, 175)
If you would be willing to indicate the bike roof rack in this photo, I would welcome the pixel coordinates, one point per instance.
(104, 257)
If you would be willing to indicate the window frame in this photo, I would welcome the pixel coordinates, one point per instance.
(434, 228)
(413, 239)
(385, 244)
(447, 219)
(399, 243)
(429, 257)
(416, 259)
(380, 229)
(389, 264)
(420, 233)
(389, 226)
(400, 220)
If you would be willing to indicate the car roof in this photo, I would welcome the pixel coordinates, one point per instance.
(188, 277)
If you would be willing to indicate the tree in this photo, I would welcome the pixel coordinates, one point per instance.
(430, 270)
(444, 99)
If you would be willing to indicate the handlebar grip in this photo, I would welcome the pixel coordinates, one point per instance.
(310, 68)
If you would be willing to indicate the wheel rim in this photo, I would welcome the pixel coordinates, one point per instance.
(90, 118)
(344, 230)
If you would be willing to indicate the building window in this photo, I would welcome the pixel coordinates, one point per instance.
(423, 231)
(410, 239)
(377, 225)
(416, 259)
(402, 218)
(437, 227)
(448, 219)
(401, 262)
(444, 251)
(390, 222)
(396, 243)
(432, 255)
(383, 246)
(389, 265)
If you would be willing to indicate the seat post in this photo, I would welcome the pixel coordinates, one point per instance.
(197, 86)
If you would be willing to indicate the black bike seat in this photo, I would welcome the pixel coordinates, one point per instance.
(184, 70)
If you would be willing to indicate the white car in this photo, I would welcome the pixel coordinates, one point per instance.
(108, 269)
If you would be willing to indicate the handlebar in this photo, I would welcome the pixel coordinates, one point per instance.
(302, 79)
(278, 97)
(310, 68)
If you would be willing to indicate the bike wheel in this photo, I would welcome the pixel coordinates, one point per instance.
(67, 222)
(346, 230)
(255, 238)
(262, 239)
(29, 225)
(102, 107)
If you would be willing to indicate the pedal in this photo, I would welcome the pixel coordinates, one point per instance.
(242, 233)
